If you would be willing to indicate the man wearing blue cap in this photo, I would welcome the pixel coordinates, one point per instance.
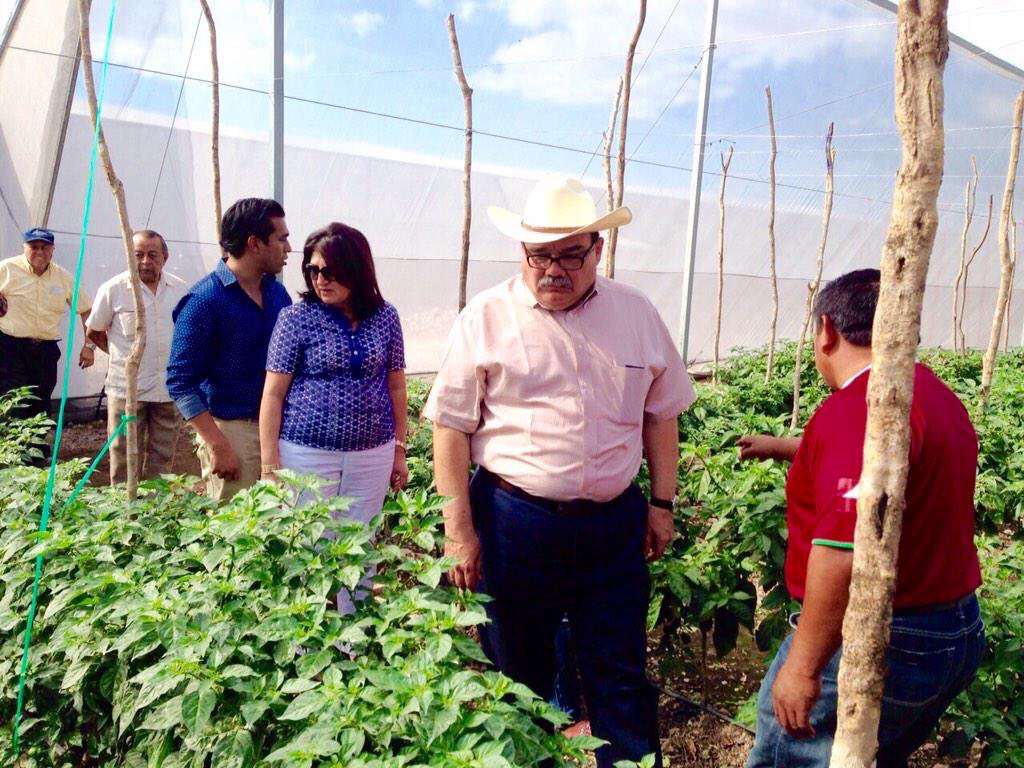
(33, 295)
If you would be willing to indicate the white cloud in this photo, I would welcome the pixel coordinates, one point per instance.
(574, 50)
(159, 36)
(467, 8)
(361, 22)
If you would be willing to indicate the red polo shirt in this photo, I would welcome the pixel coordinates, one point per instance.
(937, 559)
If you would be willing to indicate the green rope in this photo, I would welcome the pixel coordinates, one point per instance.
(51, 477)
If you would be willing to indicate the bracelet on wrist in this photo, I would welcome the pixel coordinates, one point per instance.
(267, 469)
(668, 504)
(401, 444)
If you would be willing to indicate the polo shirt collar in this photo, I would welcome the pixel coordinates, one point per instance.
(856, 376)
(227, 277)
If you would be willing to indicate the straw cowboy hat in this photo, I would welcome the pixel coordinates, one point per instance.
(558, 207)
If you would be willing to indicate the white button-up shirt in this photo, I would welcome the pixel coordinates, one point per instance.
(114, 312)
(555, 401)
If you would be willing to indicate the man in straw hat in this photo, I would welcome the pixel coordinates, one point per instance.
(554, 383)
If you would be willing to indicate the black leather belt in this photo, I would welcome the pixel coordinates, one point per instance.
(571, 508)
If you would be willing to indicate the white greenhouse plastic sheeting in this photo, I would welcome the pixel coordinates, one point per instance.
(408, 200)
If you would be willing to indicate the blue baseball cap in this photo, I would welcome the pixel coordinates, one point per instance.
(38, 233)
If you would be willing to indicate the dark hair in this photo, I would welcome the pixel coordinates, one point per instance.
(347, 254)
(157, 235)
(850, 301)
(245, 218)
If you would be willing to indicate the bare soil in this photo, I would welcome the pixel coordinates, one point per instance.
(85, 440)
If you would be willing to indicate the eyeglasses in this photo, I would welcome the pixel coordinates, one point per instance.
(314, 271)
(570, 263)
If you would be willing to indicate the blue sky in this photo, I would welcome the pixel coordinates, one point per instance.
(546, 71)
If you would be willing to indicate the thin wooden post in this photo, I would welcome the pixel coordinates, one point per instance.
(627, 78)
(1005, 259)
(726, 159)
(963, 286)
(812, 289)
(609, 262)
(215, 120)
(467, 158)
(117, 189)
(970, 195)
(773, 278)
(922, 47)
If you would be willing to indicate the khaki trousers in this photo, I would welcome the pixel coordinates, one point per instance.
(158, 425)
(244, 437)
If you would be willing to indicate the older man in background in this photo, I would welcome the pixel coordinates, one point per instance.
(111, 326)
(34, 293)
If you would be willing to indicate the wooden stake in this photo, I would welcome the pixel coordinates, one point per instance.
(812, 289)
(215, 121)
(963, 286)
(970, 195)
(1013, 275)
(1005, 259)
(609, 262)
(771, 241)
(467, 158)
(922, 47)
(117, 189)
(627, 77)
(726, 159)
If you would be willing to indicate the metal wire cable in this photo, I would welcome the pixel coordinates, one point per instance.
(170, 132)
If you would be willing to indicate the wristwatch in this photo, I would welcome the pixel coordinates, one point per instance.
(668, 504)
(90, 345)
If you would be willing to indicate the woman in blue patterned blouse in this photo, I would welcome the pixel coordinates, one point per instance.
(335, 397)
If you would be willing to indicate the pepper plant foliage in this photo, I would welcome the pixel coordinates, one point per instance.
(173, 633)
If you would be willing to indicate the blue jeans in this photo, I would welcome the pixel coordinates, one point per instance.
(932, 658)
(540, 566)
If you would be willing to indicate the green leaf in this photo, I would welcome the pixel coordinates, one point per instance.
(313, 663)
(165, 716)
(254, 710)
(298, 685)
(303, 705)
(197, 707)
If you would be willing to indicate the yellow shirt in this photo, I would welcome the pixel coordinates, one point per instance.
(36, 303)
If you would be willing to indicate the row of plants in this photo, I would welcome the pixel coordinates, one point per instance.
(174, 633)
(724, 571)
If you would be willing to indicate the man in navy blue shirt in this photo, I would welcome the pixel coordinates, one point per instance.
(219, 352)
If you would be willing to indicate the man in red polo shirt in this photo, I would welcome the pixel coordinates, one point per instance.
(937, 634)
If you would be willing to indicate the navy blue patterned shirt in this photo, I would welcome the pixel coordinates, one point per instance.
(219, 350)
(339, 398)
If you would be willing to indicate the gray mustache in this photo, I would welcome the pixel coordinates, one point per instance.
(551, 281)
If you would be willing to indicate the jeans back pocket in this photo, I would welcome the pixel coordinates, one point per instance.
(916, 677)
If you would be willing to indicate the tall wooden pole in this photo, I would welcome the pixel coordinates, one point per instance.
(812, 289)
(609, 136)
(467, 158)
(970, 196)
(117, 189)
(215, 120)
(962, 338)
(772, 276)
(1005, 259)
(627, 81)
(726, 159)
(922, 47)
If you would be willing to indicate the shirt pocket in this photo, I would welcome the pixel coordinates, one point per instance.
(124, 320)
(622, 389)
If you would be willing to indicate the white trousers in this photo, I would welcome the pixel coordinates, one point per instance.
(362, 476)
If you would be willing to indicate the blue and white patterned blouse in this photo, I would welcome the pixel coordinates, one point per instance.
(339, 398)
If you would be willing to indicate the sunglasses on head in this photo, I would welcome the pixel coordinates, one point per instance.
(315, 271)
